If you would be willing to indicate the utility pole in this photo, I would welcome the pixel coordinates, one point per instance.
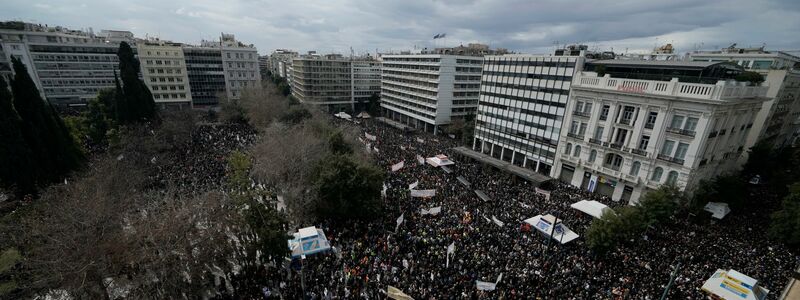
(671, 280)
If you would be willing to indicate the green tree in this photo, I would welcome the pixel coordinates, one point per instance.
(658, 205)
(614, 228)
(17, 166)
(347, 189)
(374, 105)
(295, 115)
(140, 105)
(338, 145)
(44, 131)
(97, 122)
(9, 258)
(785, 225)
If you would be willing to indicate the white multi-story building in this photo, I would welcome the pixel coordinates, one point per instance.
(429, 90)
(778, 122)
(68, 66)
(644, 124)
(335, 82)
(279, 60)
(522, 102)
(240, 64)
(163, 68)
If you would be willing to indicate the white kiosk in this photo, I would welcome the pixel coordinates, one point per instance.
(731, 285)
(307, 241)
(544, 224)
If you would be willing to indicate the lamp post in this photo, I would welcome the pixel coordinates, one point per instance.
(671, 280)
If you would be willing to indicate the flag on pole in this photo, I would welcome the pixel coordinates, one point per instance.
(383, 192)
(399, 221)
(450, 250)
(436, 36)
(398, 166)
(498, 222)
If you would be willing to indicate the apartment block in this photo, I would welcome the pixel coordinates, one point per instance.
(164, 72)
(427, 91)
(240, 63)
(632, 126)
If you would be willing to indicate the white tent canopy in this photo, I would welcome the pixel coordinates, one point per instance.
(544, 224)
(718, 209)
(592, 208)
(439, 160)
(343, 115)
(734, 285)
(308, 241)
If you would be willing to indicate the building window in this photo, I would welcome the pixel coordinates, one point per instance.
(667, 148)
(627, 115)
(651, 119)
(691, 124)
(677, 121)
(672, 178)
(598, 133)
(592, 156)
(604, 112)
(644, 142)
(613, 161)
(657, 174)
(568, 149)
(577, 151)
(635, 168)
(680, 152)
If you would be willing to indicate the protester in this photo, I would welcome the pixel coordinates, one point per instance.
(371, 256)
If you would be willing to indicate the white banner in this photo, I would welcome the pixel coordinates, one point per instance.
(397, 294)
(383, 192)
(420, 160)
(421, 141)
(399, 221)
(433, 211)
(370, 137)
(498, 222)
(413, 185)
(403, 148)
(485, 286)
(396, 166)
(376, 149)
(450, 250)
(423, 193)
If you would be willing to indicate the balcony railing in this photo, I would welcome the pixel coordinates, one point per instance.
(639, 152)
(604, 117)
(722, 90)
(595, 141)
(574, 135)
(649, 125)
(670, 159)
(581, 114)
(712, 134)
(615, 146)
(625, 121)
(681, 131)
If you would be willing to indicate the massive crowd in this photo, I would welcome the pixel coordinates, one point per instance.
(368, 257)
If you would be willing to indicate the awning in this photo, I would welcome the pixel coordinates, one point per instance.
(592, 208)
(439, 160)
(734, 285)
(308, 241)
(718, 209)
(544, 223)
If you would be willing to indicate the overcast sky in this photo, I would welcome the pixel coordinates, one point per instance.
(529, 26)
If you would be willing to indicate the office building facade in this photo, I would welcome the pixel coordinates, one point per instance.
(335, 82)
(69, 67)
(164, 72)
(521, 109)
(206, 73)
(625, 135)
(426, 91)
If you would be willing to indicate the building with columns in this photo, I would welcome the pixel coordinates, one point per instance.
(641, 124)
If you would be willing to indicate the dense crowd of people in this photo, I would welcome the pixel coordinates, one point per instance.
(413, 256)
(200, 164)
